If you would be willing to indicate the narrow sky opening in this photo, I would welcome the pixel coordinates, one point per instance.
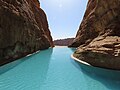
(64, 16)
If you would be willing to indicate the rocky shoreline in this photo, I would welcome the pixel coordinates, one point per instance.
(98, 38)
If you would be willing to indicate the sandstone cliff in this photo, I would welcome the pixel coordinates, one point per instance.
(23, 29)
(98, 38)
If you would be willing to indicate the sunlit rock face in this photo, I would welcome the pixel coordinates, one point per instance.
(98, 38)
(23, 29)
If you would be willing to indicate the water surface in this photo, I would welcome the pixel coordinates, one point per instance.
(51, 69)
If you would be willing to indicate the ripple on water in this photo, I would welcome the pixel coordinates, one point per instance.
(51, 69)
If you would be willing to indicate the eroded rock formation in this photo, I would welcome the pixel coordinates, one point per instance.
(98, 38)
(23, 29)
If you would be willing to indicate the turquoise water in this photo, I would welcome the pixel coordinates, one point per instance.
(52, 69)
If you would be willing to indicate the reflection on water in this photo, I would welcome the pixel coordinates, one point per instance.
(72, 49)
(53, 69)
(109, 78)
(16, 73)
(13, 64)
(7, 67)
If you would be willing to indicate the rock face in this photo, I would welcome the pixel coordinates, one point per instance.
(98, 38)
(63, 42)
(23, 29)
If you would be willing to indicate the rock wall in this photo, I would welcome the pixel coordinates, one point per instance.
(23, 29)
(98, 38)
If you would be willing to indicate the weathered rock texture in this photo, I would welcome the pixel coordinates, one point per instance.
(98, 37)
(23, 29)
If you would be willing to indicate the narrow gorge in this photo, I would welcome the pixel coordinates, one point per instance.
(98, 38)
(88, 61)
(23, 29)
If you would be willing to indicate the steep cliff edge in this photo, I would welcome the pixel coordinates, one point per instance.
(23, 29)
(98, 38)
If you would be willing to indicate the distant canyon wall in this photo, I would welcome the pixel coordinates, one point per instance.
(23, 29)
(63, 42)
(98, 38)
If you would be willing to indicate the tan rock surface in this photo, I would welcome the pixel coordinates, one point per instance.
(23, 29)
(98, 37)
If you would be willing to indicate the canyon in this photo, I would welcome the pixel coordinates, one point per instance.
(23, 29)
(98, 37)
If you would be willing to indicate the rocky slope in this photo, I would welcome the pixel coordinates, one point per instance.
(63, 42)
(98, 38)
(23, 29)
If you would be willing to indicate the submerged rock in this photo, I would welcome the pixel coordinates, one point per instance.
(23, 29)
(98, 38)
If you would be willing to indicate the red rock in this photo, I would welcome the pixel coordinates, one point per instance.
(63, 42)
(98, 38)
(23, 29)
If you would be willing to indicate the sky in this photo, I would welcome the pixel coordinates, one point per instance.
(64, 16)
